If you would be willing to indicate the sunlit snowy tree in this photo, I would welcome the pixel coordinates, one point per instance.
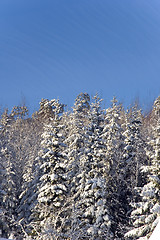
(114, 141)
(146, 213)
(9, 165)
(92, 216)
(135, 145)
(50, 177)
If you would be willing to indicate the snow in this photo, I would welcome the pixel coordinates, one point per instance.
(6, 239)
(156, 208)
(156, 233)
(53, 176)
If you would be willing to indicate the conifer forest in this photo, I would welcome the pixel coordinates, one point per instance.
(85, 174)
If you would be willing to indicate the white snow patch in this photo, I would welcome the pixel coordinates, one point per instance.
(156, 233)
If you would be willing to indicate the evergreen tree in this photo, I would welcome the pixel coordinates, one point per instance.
(135, 145)
(146, 213)
(91, 213)
(75, 141)
(114, 140)
(28, 146)
(49, 182)
(3, 227)
(9, 188)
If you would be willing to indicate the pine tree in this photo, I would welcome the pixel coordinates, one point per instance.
(92, 220)
(114, 141)
(146, 213)
(49, 183)
(3, 225)
(28, 146)
(135, 145)
(75, 141)
(8, 163)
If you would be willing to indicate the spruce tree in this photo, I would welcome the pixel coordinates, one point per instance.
(146, 213)
(114, 140)
(50, 177)
(92, 213)
(9, 169)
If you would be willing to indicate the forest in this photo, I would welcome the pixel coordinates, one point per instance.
(89, 173)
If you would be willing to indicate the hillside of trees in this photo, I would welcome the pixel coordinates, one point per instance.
(86, 174)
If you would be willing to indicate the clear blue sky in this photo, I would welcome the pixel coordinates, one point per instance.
(59, 48)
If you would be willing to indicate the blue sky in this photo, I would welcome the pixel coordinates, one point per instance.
(58, 48)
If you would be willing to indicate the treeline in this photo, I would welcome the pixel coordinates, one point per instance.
(87, 174)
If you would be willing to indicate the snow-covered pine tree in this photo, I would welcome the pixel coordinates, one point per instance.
(96, 114)
(146, 213)
(135, 145)
(50, 179)
(3, 228)
(75, 138)
(112, 135)
(114, 141)
(9, 198)
(3, 123)
(28, 146)
(17, 150)
(47, 109)
(89, 212)
(75, 123)
(93, 204)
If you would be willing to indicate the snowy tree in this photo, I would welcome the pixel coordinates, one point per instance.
(135, 145)
(90, 214)
(146, 214)
(96, 114)
(19, 112)
(75, 139)
(2, 195)
(48, 109)
(28, 146)
(9, 189)
(19, 136)
(3, 122)
(48, 186)
(114, 141)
